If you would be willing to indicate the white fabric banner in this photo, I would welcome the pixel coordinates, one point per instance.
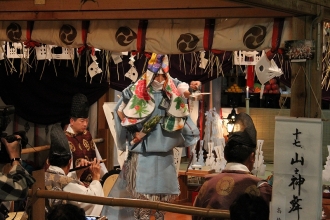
(175, 36)
(59, 33)
(247, 34)
(166, 36)
(13, 31)
(113, 35)
(297, 186)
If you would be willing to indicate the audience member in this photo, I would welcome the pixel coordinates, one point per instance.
(219, 191)
(249, 207)
(66, 212)
(56, 176)
(14, 185)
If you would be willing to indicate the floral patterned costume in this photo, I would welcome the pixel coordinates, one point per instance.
(152, 174)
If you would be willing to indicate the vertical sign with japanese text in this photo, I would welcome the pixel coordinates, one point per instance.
(297, 186)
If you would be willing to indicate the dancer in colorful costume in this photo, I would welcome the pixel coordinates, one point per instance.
(149, 170)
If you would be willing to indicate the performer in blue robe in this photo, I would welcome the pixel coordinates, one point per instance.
(150, 172)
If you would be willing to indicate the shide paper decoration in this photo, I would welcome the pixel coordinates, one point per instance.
(94, 68)
(47, 52)
(2, 50)
(266, 69)
(132, 72)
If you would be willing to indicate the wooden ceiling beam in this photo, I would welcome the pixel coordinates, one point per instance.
(106, 5)
(156, 9)
(297, 7)
(325, 3)
(143, 14)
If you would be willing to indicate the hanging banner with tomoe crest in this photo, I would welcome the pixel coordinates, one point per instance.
(60, 33)
(175, 36)
(13, 31)
(248, 33)
(113, 35)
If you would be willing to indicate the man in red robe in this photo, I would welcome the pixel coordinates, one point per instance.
(80, 139)
(219, 191)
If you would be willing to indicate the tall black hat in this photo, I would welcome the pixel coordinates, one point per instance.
(79, 106)
(59, 144)
(244, 131)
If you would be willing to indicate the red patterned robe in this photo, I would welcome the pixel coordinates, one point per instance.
(220, 190)
(82, 147)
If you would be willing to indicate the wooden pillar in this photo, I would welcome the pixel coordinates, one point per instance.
(315, 70)
(38, 204)
(298, 85)
(306, 76)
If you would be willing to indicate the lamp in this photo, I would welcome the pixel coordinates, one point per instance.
(231, 121)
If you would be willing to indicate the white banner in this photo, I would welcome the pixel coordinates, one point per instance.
(113, 35)
(297, 186)
(13, 31)
(248, 34)
(60, 33)
(177, 36)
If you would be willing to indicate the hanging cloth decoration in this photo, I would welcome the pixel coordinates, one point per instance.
(113, 35)
(60, 33)
(208, 34)
(250, 75)
(84, 30)
(276, 37)
(141, 36)
(13, 31)
(30, 43)
(248, 34)
(175, 36)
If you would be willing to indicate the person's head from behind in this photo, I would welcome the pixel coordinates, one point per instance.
(249, 207)
(66, 212)
(59, 160)
(59, 152)
(241, 144)
(235, 152)
(79, 113)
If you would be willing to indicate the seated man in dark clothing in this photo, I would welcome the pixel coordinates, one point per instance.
(220, 190)
(249, 207)
(66, 212)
